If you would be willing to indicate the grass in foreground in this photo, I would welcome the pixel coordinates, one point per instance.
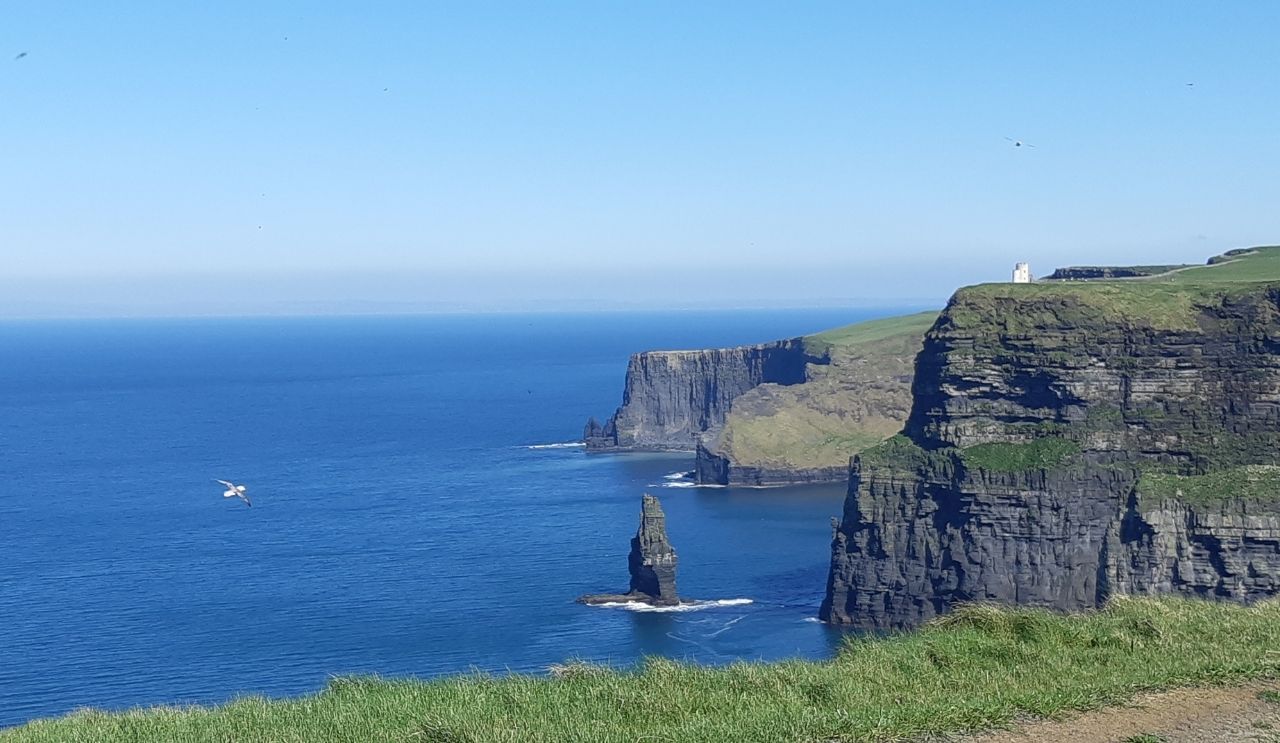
(976, 668)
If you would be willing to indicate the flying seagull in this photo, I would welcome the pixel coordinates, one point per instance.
(1019, 142)
(235, 491)
(20, 56)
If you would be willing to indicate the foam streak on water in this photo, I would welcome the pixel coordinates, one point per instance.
(683, 607)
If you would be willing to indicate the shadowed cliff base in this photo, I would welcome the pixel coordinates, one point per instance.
(1071, 441)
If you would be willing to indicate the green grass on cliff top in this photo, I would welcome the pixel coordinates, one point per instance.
(1169, 301)
(977, 668)
(872, 331)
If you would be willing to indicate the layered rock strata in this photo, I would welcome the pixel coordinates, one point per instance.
(671, 398)
(651, 562)
(781, 413)
(1070, 442)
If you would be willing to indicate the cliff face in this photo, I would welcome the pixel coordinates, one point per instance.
(717, 467)
(673, 397)
(807, 432)
(1071, 441)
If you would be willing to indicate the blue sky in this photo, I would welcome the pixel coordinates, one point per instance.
(167, 157)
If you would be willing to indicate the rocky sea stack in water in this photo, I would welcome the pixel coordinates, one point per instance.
(652, 563)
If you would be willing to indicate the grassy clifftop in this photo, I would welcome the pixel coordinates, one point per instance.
(859, 399)
(1168, 301)
(977, 668)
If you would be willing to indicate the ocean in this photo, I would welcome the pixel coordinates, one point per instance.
(413, 511)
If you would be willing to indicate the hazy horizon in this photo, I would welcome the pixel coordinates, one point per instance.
(241, 159)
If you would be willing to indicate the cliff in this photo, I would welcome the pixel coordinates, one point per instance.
(1070, 441)
(672, 397)
(806, 432)
(784, 412)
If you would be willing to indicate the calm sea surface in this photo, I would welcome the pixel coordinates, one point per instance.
(406, 520)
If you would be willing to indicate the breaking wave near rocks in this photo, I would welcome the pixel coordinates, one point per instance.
(562, 445)
(681, 607)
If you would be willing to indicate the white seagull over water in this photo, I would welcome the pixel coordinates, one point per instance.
(235, 491)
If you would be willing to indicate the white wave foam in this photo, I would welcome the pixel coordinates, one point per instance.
(565, 445)
(675, 484)
(683, 607)
(677, 476)
(812, 619)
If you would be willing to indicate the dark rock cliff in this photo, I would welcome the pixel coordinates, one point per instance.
(673, 397)
(651, 562)
(1070, 442)
(715, 468)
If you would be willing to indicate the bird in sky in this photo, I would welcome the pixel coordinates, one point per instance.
(235, 491)
(20, 56)
(1019, 142)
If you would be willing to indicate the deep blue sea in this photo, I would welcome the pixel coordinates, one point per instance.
(406, 519)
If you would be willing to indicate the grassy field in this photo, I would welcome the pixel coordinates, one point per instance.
(976, 668)
(860, 399)
(1258, 264)
(1168, 302)
(851, 336)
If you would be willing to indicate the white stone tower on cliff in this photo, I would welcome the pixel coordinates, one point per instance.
(1022, 273)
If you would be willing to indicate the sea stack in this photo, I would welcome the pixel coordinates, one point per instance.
(652, 562)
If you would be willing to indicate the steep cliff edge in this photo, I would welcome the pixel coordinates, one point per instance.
(1072, 440)
(673, 397)
(784, 412)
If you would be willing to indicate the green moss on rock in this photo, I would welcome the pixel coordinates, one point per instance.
(1045, 453)
(1253, 481)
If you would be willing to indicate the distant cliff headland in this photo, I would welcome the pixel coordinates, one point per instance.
(789, 411)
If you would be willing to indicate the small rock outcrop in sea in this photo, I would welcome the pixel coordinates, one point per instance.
(652, 562)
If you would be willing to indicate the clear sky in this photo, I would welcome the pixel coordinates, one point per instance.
(197, 157)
